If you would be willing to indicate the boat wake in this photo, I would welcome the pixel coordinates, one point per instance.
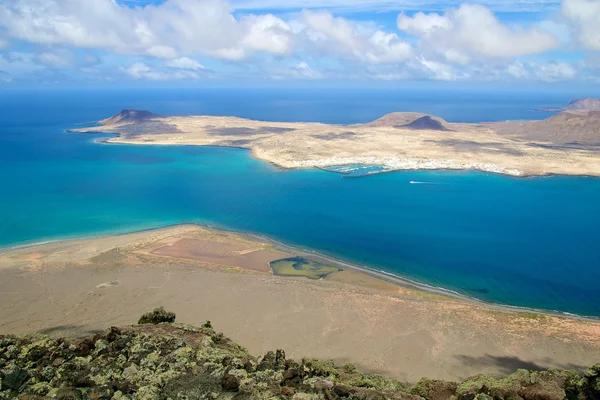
(429, 183)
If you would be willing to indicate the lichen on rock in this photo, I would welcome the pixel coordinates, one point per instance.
(157, 316)
(176, 361)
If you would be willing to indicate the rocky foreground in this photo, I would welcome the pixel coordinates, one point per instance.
(159, 359)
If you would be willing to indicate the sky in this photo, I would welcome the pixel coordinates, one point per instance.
(369, 42)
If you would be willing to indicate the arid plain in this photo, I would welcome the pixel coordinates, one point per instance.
(81, 286)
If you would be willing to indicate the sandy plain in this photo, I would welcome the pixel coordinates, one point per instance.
(568, 143)
(81, 286)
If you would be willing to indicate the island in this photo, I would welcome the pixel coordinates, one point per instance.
(588, 104)
(567, 143)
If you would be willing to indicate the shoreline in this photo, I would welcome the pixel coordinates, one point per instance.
(323, 258)
(519, 175)
(117, 139)
(303, 164)
(407, 282)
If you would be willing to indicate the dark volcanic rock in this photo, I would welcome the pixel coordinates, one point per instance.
(590, 384)
(14, 380)
(185, 362)
(129, 116)
(69, 394)
(434, 390)
(230, 383)
(425, 123)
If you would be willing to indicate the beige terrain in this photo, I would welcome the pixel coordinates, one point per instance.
(568, 143)
(81, 286)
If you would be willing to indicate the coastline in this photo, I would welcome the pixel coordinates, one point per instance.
(372, 272)
(514, 174)
(77, 288)
(398, 165)
(519, 175)
(509, 148)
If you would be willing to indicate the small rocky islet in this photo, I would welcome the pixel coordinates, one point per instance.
(159, 359)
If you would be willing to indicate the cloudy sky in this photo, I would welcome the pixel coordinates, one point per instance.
(58, 42)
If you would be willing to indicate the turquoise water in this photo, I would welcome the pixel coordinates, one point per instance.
(523, 242)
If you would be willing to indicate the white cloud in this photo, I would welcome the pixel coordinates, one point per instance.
(138, 71)
(387, 48)
(161, 51)
(164, 41)
(473, 30)
(302, 70)
(167, 30)
(5, 77)
(423, 24)
(546, 72)
(424, 68)
(324, 26)
(518, 70)
(230, 54)
(281, 70)
(185, 63)
(392, 5)
(141, 70)
(554, 72)
(267, 33)
(56, 59)
(438, 70)
(584, 16)
(389, 76)
(456, 57)
(94, 23)
(558, 29)
(18, 64)
(336, 35)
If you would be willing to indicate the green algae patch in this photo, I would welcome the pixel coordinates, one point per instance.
(301, 267)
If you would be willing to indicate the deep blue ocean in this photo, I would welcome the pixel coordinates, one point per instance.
(531, 242)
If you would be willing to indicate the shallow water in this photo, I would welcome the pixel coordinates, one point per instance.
(523, 242)
(302, 267)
